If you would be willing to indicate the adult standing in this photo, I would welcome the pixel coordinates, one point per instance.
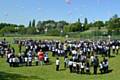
(95, 64)
(41, 56)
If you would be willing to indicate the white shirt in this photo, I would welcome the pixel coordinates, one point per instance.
(57, 62)
(70, 63)
(117, 47)
(101, 66)
(92, 58)
(45, 58)
(74, 52)
(113, 47)
(26, 59)
(82, 65)
(10, 60)
(14, 59)
(29, 59)
(74, 64)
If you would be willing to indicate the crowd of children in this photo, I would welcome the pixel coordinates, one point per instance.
(79, 56)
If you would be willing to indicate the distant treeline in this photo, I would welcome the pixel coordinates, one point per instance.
(56, 28)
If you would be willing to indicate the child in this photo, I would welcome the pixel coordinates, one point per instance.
(87, 68)
(65, 61)
(26, 61)
(57, 64)
(36, 60)
(70, 64)
(101, 67)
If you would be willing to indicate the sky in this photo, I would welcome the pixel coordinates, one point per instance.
(22, 11)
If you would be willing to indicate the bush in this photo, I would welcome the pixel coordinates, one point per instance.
(53, 32)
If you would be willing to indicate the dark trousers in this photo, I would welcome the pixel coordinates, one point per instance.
(88, 71)
(82, 70)
(101, 71)
(30, 63)
(70, 67)
(36, 63)
(57, 67)
(117, 52)
(53, 53)
(11, 64)
(65, 65)
(2, 55)
(95, 69)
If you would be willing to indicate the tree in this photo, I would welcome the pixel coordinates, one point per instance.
(66, 28)
(85, 24)
(30, 24)
(79, 25)
(61, 24)
(115, 16)
(33, 23)
(40, 27)
(114, 24)
(99, 24)
(31, 30)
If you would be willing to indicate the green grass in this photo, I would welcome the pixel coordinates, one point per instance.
(47, 72)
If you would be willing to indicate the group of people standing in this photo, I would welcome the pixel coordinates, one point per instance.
(79, 56)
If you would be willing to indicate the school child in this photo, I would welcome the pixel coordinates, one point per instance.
(36, 60)
(70, 64)
(26, 60)
(82, 68)
(74, 66)
(87, 67)
(101, 67)
(57, 64)
(30, 60)
(65, 62)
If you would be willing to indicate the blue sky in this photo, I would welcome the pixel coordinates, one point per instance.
(22, 11)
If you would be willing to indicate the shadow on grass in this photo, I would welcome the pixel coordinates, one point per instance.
(112, 56)
(109, 71)
(62, 69)
(12, 76)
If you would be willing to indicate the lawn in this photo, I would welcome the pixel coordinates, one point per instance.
(47, 72)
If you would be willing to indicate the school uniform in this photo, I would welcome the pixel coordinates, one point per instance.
(57, 64)
(82, 68)
(46, 59)
(26, 61)
(65, 62)
(87, 68)
(74, 66)
(14, 62)
(70, 63)
(117, 48)
(10, 62)
(95, 65)
(101, 67)
(36, 61)
(78, 67)
(30, 61)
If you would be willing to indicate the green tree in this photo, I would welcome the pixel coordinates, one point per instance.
(40, 27)
(29, 24)
(33, 23)
(85, 24)
(31, 30)
(99, 24)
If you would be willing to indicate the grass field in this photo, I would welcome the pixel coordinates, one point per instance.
(47, 72)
